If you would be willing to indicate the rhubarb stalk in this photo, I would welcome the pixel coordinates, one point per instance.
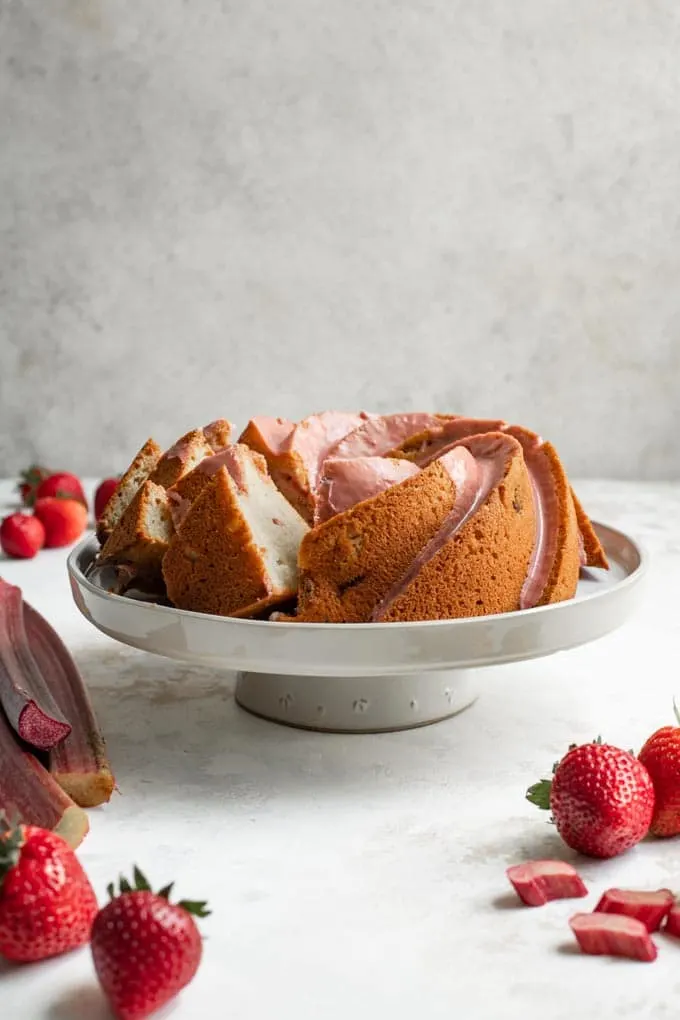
(79, 763)
(28, 792)
(24, 692)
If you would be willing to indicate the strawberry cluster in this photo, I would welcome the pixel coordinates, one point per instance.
(59, 512)
(603, 801)
(48, 907)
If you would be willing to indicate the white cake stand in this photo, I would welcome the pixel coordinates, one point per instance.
(365, 677)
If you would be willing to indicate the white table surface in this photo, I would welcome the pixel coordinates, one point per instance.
(358, 877)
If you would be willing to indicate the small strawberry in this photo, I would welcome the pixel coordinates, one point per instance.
(47, 904)
(64, 520)
(105, 491)
(62, 484)
(145, 949)
(29, 481)
(601, 799)
(22, 536)
(661, 757)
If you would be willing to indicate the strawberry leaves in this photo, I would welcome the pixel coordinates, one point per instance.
(140, 883)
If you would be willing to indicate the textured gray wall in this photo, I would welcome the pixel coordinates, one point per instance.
(276, 206)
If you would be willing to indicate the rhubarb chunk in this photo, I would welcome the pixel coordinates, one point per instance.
(672, 926)
(537, 882)
(613, 935)
(28, 792)
(24, 691)
(649, 907)
(79, 763)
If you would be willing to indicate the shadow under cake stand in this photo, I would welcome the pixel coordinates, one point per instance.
(364, 678)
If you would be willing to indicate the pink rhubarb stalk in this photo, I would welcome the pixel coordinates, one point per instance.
(24, 692)
(79, 763)
(649, 907)
(613, 935)
(29, 793)
(537, 882)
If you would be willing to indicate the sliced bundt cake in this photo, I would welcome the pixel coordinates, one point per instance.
(141, 467)
(235, 552)
(142, 536)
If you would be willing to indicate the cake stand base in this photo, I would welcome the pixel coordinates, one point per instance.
(374, 704)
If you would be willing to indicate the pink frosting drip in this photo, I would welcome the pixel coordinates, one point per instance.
(275, 432)
(315, 437)
(381, 434)
(451, 432)
(230, 458)
(476, 471)
(348, 482)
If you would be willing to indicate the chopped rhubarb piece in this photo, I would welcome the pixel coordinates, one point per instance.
(79, 763)
(613, 935)
(24, 691)
(648, 907)
(29, 793)
(672, 926)
(537, 882)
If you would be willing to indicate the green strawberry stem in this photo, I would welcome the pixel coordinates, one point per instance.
(140, 883)
(539, 794)
(10, 846)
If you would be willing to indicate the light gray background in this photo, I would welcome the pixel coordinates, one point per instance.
(276, 206)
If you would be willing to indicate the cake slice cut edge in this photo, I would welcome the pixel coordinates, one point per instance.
(143, 463)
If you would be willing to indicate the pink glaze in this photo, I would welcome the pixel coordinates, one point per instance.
(313, 439)
(379, 435)
(476, 469)
(348, 482)
(547, 514)
(275, 432)
(450, 432)
(230, 457)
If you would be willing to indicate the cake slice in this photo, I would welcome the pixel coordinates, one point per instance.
(181, 458)
(235, 552)
(190, 486)
(143, 464)
(142, 536)
(478, 562)
(295, 453)
(217, 434)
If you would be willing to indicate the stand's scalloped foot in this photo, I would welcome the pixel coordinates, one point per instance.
(372, 704)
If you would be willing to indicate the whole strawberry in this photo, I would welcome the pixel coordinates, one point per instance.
(47, 904)
(29, 481)
(62, 484)
(601, 798)
(64, 520)
(145, 949)
(661, 757)
(105, 491)
(21, 536)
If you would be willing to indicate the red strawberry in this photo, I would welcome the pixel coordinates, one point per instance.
(47, 904)
(613, 935)
(672, 926)
(64, 519)
(649, 907)
(29, 481)
(145, 949)
(62, 484)
(601, 799)
(105, 491)
(22, 536)
(536, 882)
(661, 757)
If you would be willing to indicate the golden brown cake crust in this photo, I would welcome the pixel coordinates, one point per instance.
(141, 467)
(212, 564)
(482, 568)
(563, 578)
(594, 553)
(349, 563)
(131, 540)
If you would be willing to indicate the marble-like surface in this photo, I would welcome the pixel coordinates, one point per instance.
(276, 207)
(363, 876)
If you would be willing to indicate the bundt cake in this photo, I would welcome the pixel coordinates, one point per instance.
(361, 517)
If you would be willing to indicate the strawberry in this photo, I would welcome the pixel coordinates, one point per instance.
(661, 757)
(536, 882)
(601, 798)
(29, 481)
(672, 926)
(61, 484)
(22, 536)
(145, 949)
(47, 904)
(613, 935)
(64, 519)
(649, 907)
(105, 491)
